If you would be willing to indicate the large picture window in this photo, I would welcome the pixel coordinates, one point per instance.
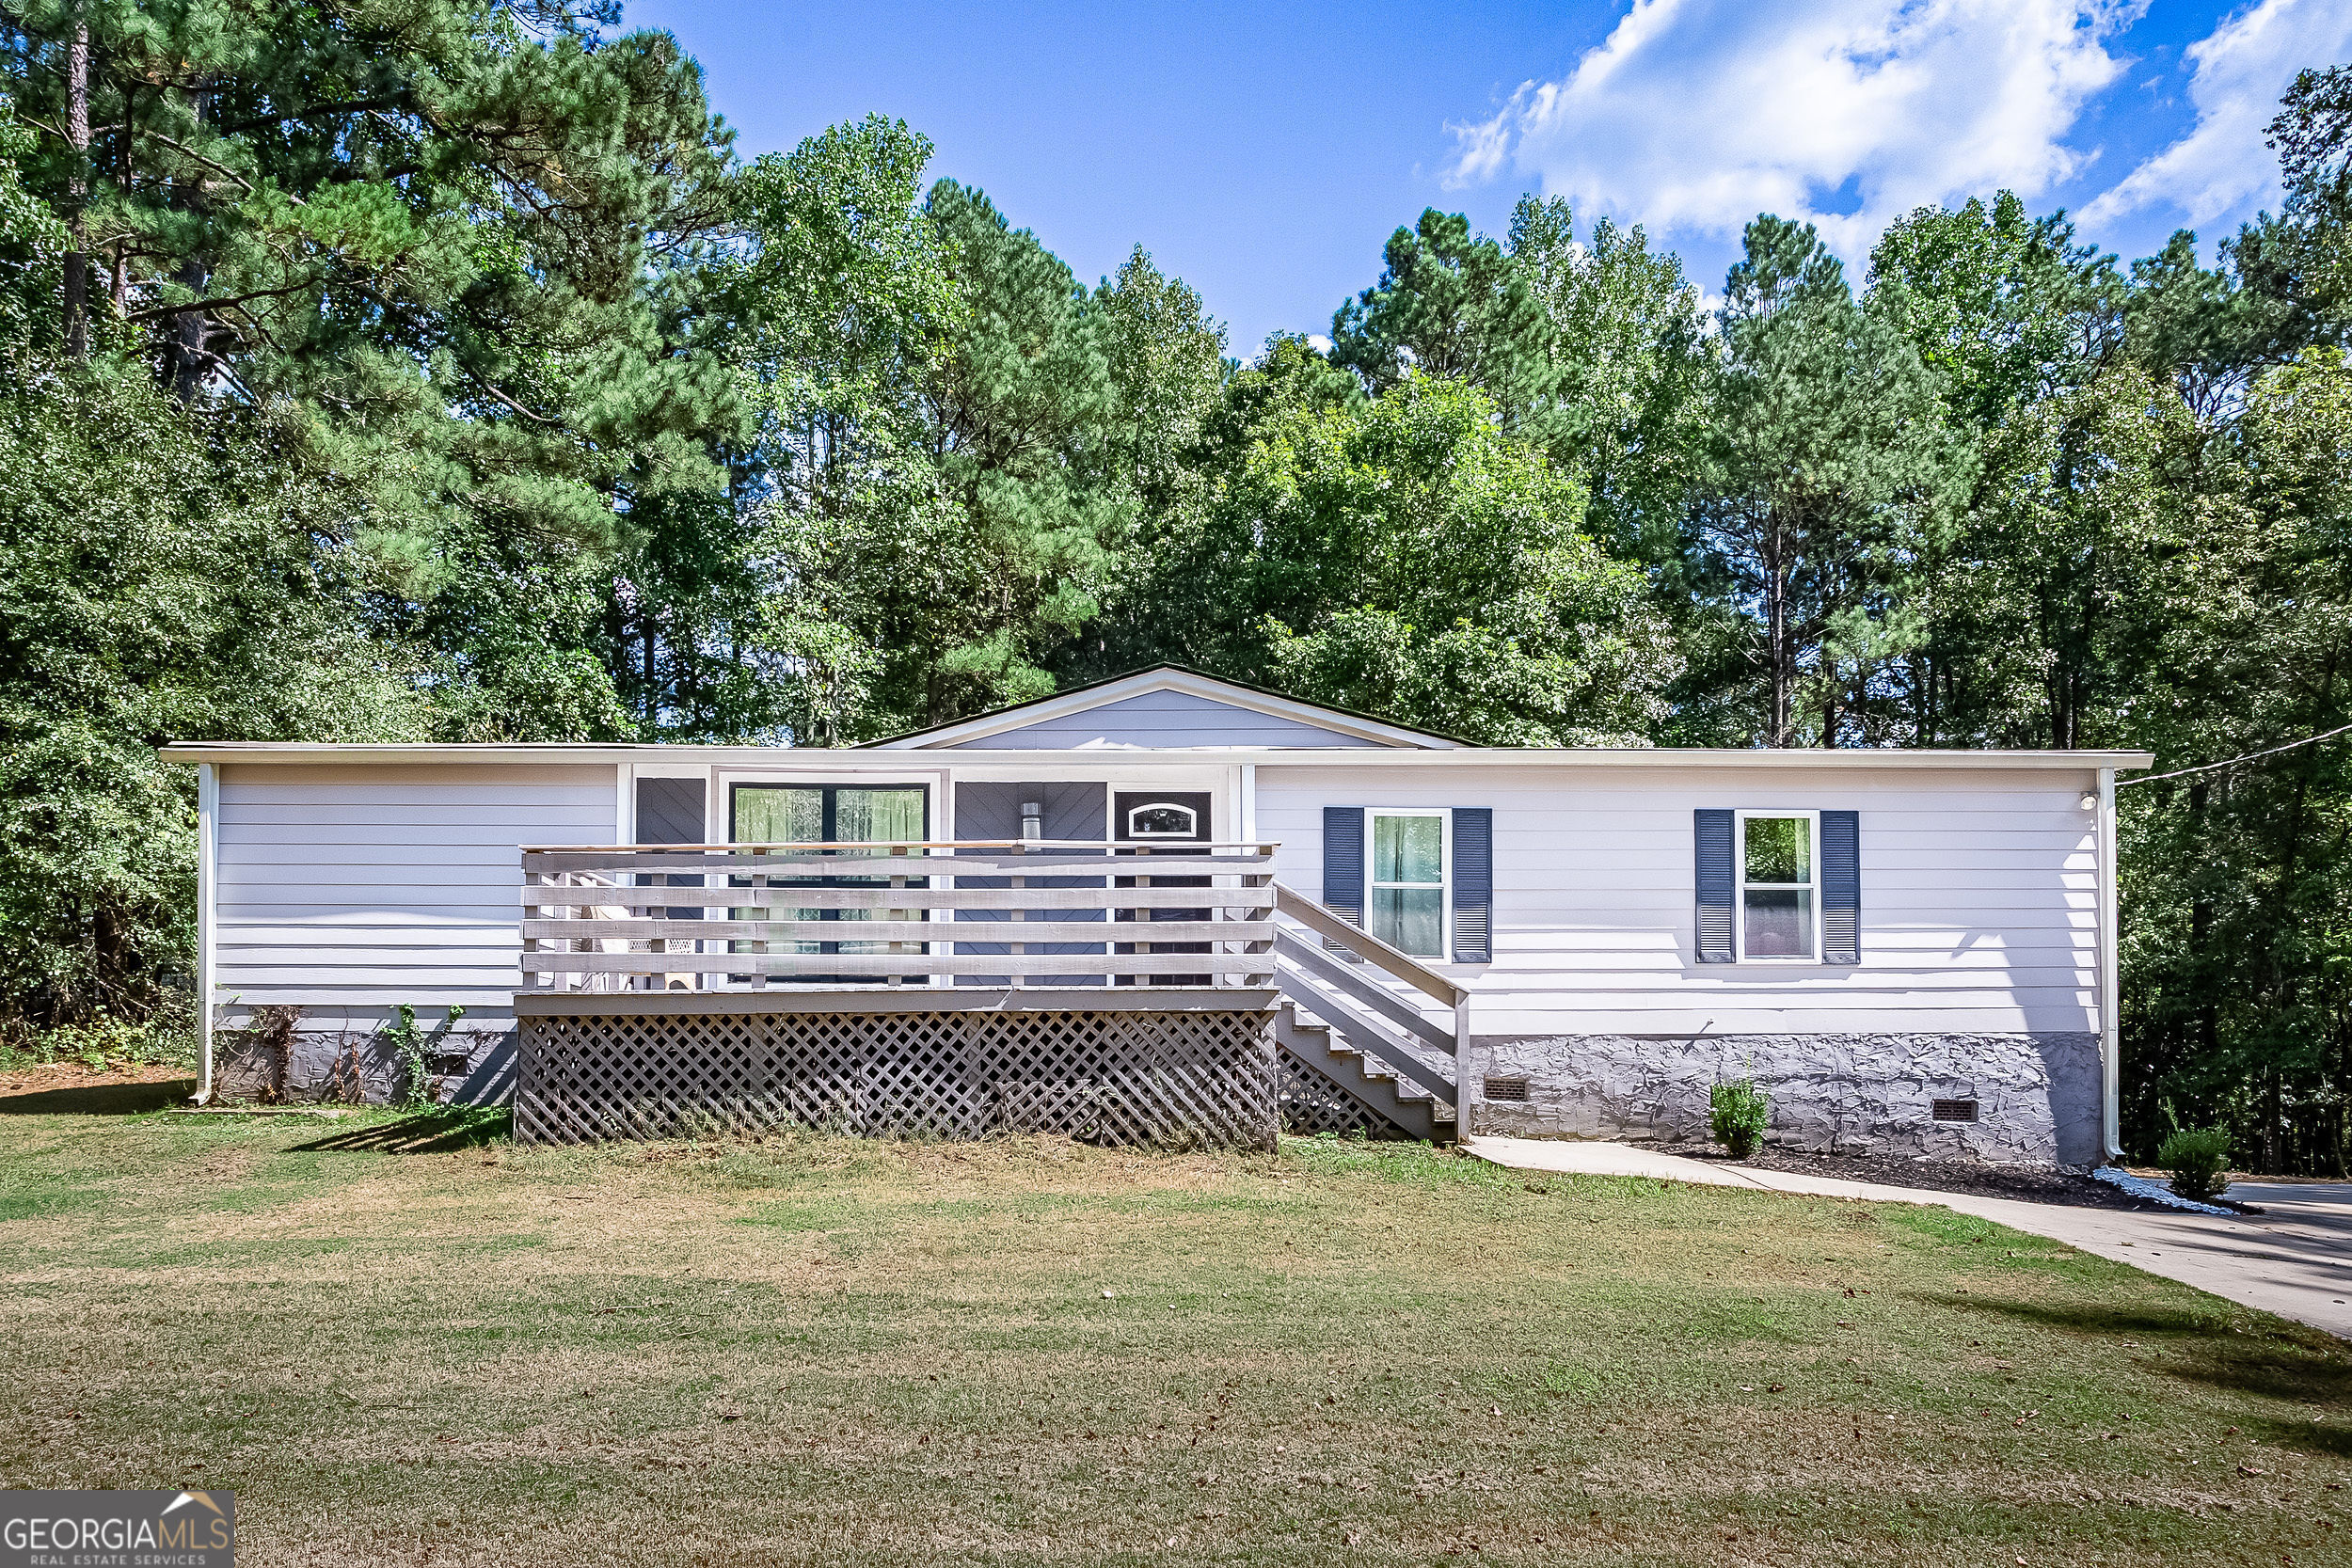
(1406, 881)
(825, 813)
(1780, 885)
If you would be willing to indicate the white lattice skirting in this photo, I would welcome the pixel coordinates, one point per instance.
(1126, 1076)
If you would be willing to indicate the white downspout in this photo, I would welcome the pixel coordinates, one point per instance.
(206, 920)
(2110, 986)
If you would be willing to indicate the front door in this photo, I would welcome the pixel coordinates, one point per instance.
(1176, 820)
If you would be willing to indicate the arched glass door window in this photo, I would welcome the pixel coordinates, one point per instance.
(1163, 819)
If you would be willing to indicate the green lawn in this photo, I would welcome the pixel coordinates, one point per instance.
(418, 1342)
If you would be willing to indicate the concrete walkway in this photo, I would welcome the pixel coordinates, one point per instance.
(2296, 1259)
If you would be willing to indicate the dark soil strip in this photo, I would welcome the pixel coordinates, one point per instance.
(2025, 1183)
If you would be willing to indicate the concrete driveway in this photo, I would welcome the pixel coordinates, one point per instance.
(2294, 1260)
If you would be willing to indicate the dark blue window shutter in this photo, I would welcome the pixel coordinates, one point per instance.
(1344, 865)
(1716, 888)
(1841, 887)
(1474, 884)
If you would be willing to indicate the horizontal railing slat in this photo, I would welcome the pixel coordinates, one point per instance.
(898, 898)
(611, 864)
(899, 931)
(544, 962)
(1011, 846)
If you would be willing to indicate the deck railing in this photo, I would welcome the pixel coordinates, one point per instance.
(1045, 913)
(1327, 977)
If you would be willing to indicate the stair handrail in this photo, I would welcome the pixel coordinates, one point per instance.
(1368, 948)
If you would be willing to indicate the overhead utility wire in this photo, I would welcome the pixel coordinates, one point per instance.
(2207, 767)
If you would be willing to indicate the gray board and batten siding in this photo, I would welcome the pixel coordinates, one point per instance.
(993, 809)
(1162, 720)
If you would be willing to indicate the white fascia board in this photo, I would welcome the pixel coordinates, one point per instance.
(973, 730)
(1096, 761)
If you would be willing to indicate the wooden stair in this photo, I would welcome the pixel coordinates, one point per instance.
(1369, 1080)
(1346, 1012)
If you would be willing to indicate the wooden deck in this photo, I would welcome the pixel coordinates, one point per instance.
(937, 990)
(954, 989)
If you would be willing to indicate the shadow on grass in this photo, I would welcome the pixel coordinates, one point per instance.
(440, 1131)
(2294, 1363)
(99, 1099)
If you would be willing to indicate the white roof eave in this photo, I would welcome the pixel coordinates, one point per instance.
(286, 754)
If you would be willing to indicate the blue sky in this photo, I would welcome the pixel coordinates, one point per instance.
(1264, 152)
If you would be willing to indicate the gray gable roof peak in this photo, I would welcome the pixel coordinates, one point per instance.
(1166, 706)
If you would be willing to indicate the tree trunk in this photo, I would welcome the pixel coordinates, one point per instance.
(2273, 1125)
(653, 708)
(1777, 616)
(119, 285)
(2201, 911)
(77, 192)
(186, 353)
(185, 359)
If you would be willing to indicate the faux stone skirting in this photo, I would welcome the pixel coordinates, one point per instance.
(2037, 1098)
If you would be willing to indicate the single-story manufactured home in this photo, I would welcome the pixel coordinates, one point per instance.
(1237, 907)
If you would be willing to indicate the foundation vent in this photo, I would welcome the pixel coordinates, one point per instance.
(1955, 1110)
(1511, 1090)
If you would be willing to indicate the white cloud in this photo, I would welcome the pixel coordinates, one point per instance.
(1695, 114)
(2239, 73)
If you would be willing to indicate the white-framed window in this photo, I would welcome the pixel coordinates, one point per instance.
(1779, 863)
(1408, 862)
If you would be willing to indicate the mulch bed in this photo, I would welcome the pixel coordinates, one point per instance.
(72, 1088)
(2024, 1184)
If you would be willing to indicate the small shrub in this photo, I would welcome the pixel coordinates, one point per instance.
(415, 1086)
(2196, 1156)
(1737, 1113)
(412, 1087)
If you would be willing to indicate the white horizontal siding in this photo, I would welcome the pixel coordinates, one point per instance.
(347, 890)
(1164, 719)
(1979, 898)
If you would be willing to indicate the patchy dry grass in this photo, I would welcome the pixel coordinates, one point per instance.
(401, 1339)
